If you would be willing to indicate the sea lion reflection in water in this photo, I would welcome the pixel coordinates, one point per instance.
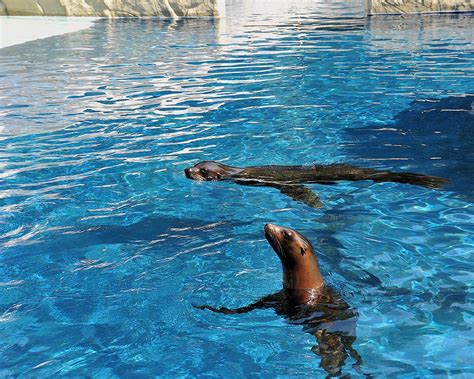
(290, 180)
(308, 301)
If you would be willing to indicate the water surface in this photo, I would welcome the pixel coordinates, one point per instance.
(105, 245)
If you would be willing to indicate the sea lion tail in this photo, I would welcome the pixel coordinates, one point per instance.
(427, 181)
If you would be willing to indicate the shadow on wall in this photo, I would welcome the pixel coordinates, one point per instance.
(435, 136)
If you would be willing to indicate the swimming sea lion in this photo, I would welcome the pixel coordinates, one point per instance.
(308, 301)
(290, 180)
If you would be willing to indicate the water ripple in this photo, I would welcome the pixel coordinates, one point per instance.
(105, 245)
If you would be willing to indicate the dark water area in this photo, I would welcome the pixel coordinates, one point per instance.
(434, 133)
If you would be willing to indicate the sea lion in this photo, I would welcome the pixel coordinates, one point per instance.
(308, 301)
(290, 180)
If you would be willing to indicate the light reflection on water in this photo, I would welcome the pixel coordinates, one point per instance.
(105, 245)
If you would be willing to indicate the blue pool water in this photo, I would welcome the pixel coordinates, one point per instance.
(105, 245)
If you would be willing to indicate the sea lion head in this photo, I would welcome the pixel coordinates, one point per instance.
(209, 171)
(299, 262)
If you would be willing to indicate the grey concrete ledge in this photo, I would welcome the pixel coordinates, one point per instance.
(112, 8)
(375, 7)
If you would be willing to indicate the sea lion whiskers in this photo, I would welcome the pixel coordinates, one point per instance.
(274, 242)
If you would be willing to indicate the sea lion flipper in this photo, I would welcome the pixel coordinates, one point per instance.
(224, 310)
(334, 348)
(229, 311)
(302, 194)
(265, 302)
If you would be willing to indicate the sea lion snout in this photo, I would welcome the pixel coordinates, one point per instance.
(196, 173)
(272, 237)
(190, 172)
(272, 234)
(281, 239)
(278, 232)
(269, 228)
(205, 171)
(211, 171)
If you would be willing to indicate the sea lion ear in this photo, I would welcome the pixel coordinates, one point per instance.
(303, 251)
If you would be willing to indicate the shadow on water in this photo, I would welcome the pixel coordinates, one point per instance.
(343, 265)
(435, 135)
(152, 230)
(158, 238)
(148, 229)
(77, 257)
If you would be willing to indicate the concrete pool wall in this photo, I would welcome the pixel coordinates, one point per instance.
(196, 8)
(418, 6)
(111, 8)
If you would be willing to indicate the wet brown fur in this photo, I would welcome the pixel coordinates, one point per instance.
(290, 180)
(308, 301)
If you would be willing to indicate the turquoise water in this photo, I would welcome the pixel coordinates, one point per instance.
(105, 245)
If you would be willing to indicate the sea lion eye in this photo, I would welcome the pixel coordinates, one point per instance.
(203, 171)
(288, 235)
